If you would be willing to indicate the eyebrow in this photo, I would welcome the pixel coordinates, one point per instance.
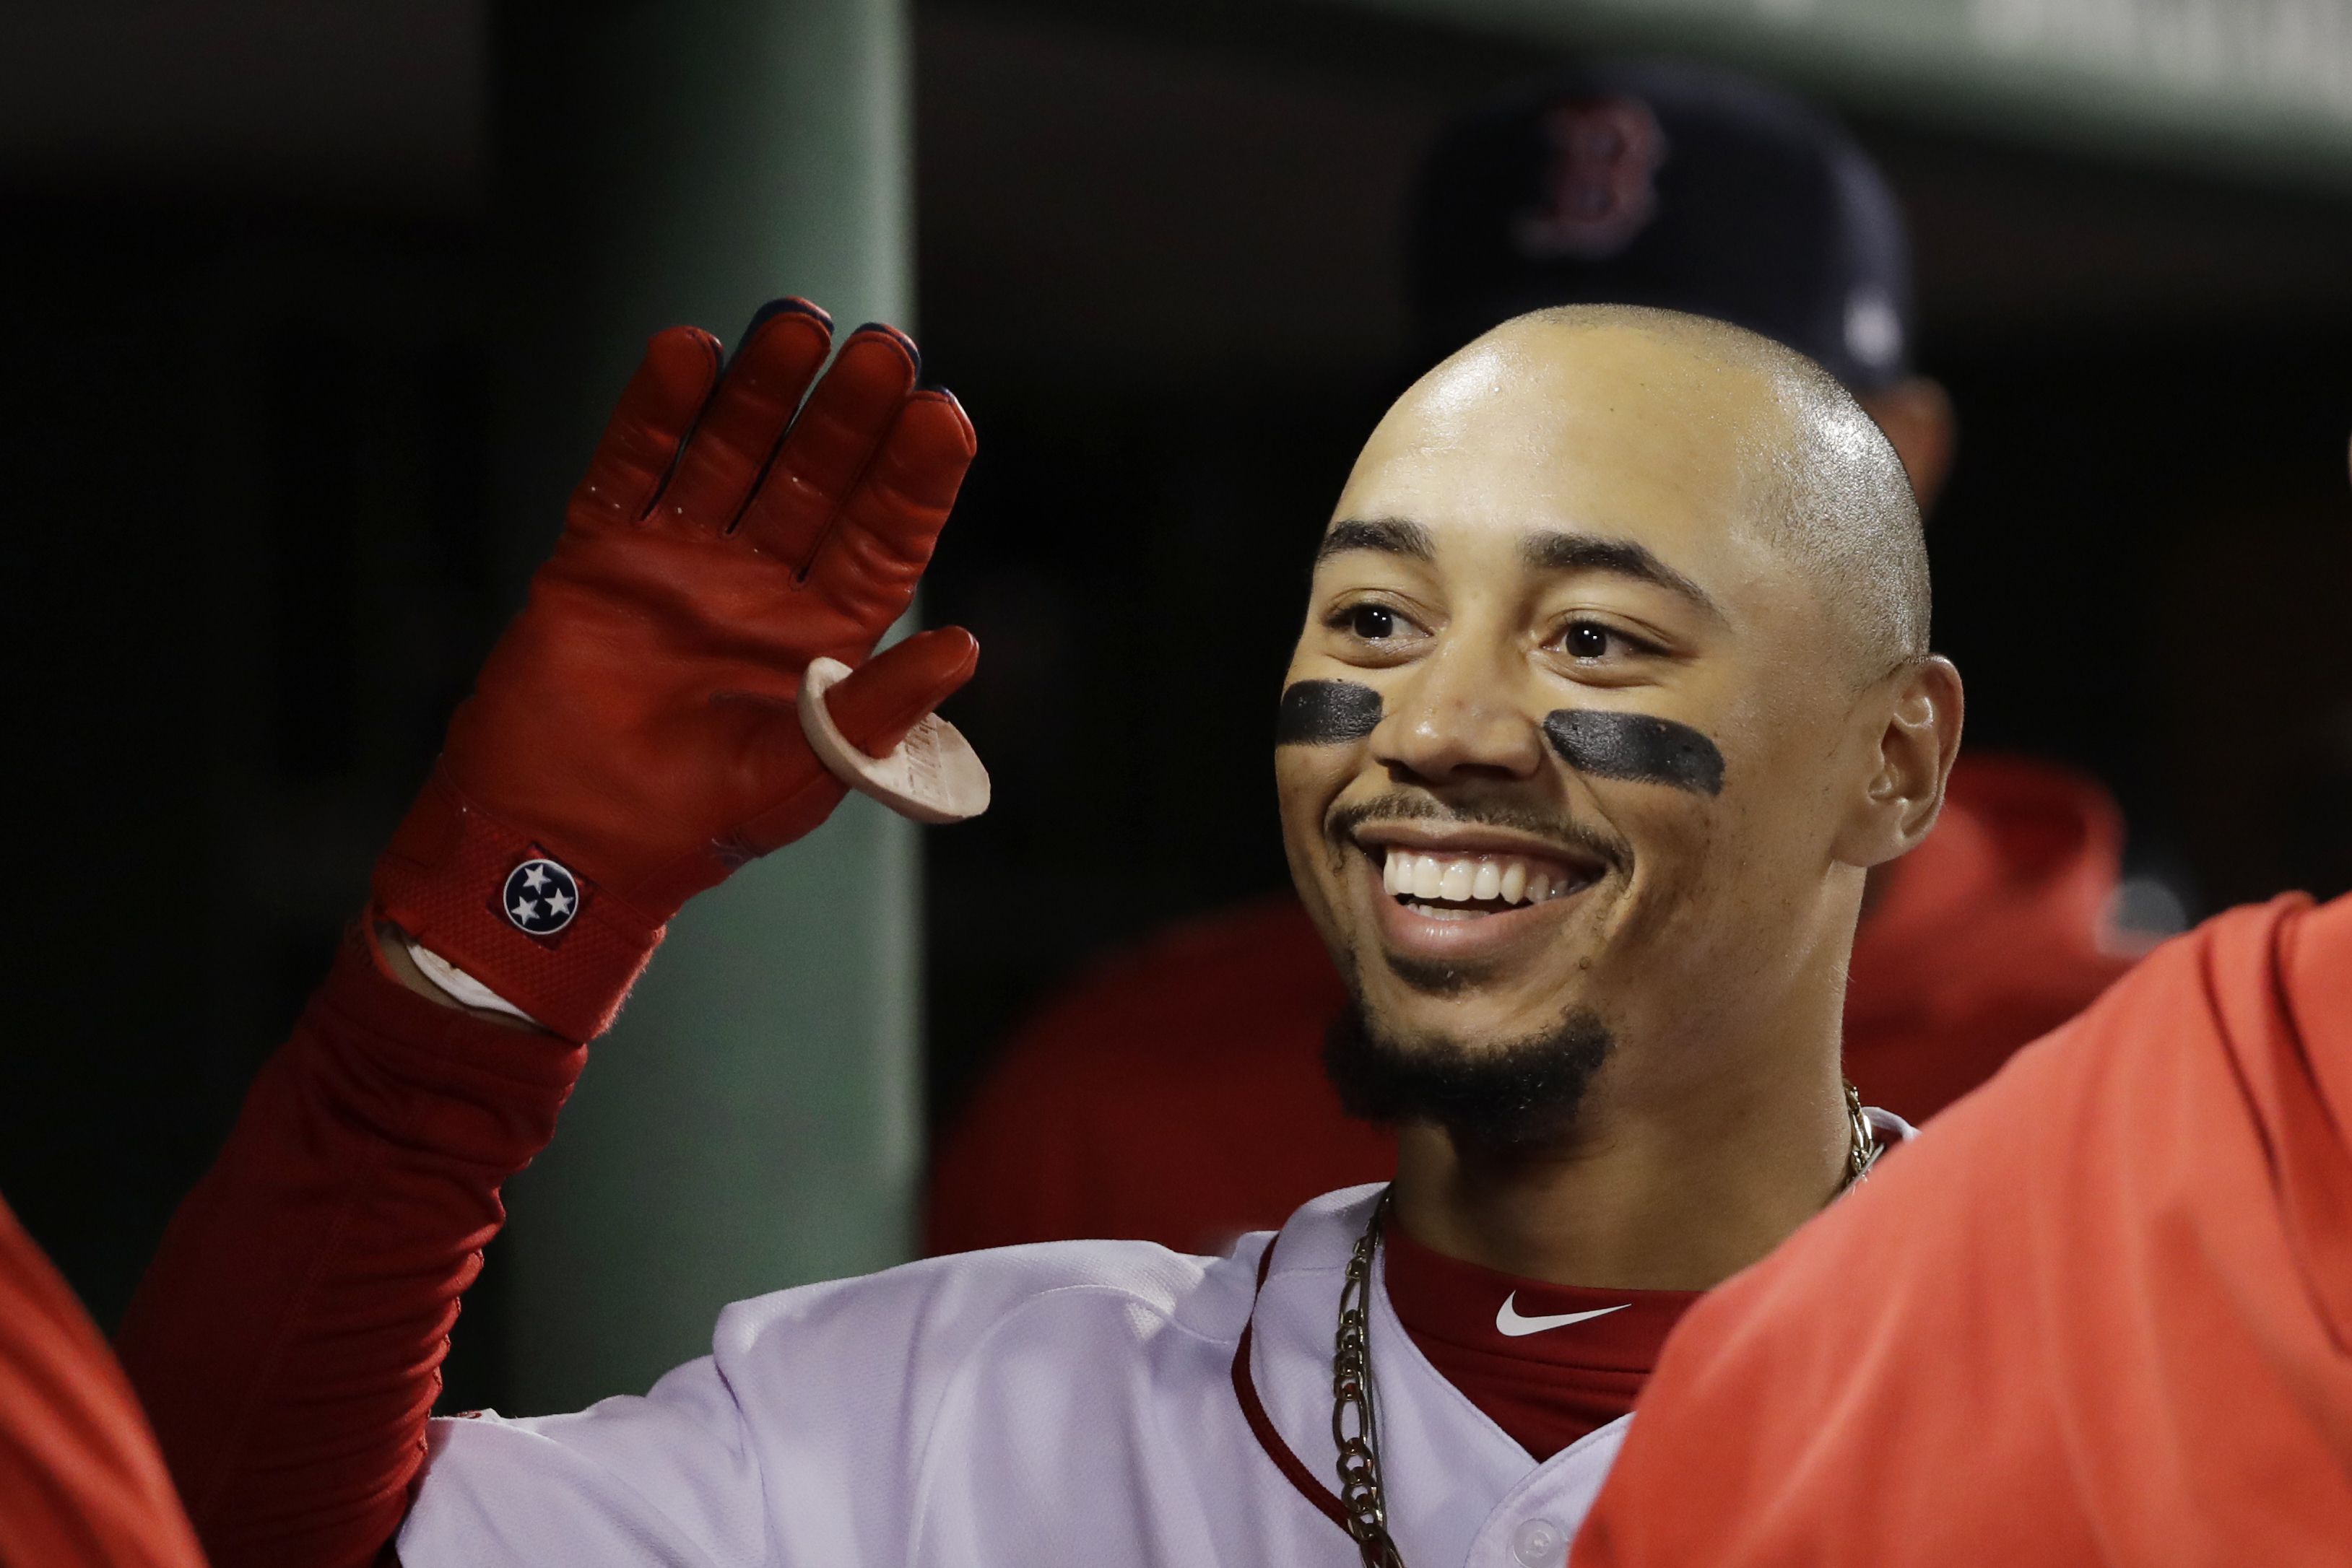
(1556, 551)
(1390, 536)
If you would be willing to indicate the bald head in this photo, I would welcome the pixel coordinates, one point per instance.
(1689, 413)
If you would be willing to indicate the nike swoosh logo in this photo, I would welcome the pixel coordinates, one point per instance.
(1507, 1319)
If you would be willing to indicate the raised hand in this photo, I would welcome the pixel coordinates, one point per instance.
(632, 737)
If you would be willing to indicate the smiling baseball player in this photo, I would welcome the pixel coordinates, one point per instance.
(1613, 682)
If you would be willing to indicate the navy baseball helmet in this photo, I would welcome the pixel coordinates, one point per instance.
(1669, 184)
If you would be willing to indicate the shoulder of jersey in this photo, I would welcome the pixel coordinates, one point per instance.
(965, 1295)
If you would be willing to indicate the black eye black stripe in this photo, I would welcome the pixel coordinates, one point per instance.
(1610, 745)
(1636, 746)
(1326, 713)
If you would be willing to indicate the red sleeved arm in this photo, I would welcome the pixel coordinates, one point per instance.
(2097, 1312)
(288, 1339)
(80, 1483)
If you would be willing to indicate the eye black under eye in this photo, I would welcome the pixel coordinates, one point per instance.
(1372, 621)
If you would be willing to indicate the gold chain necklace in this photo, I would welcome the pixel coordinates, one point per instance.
(1354, 1418)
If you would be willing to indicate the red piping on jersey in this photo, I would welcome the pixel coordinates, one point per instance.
(1261, 1425)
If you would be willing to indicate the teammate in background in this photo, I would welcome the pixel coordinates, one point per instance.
(1176, 1093)
(82, 1484)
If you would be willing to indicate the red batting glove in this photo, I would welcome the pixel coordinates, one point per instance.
(632, 737)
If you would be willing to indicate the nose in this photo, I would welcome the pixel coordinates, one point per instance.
(1452, 718)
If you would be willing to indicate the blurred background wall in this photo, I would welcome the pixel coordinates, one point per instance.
(309, 311)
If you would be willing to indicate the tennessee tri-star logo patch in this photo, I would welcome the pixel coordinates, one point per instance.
(540, 898)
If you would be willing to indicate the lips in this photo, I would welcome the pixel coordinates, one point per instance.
(1450, 893)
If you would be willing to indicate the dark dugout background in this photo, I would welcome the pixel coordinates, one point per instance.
(250, 443)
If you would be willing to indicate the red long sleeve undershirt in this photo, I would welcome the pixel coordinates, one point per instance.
(288, 1339)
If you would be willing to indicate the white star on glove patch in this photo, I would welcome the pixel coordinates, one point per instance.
(540, 898)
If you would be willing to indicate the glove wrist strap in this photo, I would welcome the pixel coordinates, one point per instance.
(514, 916)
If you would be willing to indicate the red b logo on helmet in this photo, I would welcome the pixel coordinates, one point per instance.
(1602, 185)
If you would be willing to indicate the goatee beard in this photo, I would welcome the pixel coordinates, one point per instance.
(1497, 1097)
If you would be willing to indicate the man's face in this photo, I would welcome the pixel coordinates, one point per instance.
(1563, 735)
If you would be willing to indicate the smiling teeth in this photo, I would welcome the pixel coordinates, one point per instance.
(1407, 875)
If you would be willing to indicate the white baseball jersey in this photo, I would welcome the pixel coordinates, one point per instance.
(1093, 1404)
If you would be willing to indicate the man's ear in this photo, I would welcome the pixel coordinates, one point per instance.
(1916, 414)
(1918, 715)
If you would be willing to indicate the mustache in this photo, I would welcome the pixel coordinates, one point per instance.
(1402, 806)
